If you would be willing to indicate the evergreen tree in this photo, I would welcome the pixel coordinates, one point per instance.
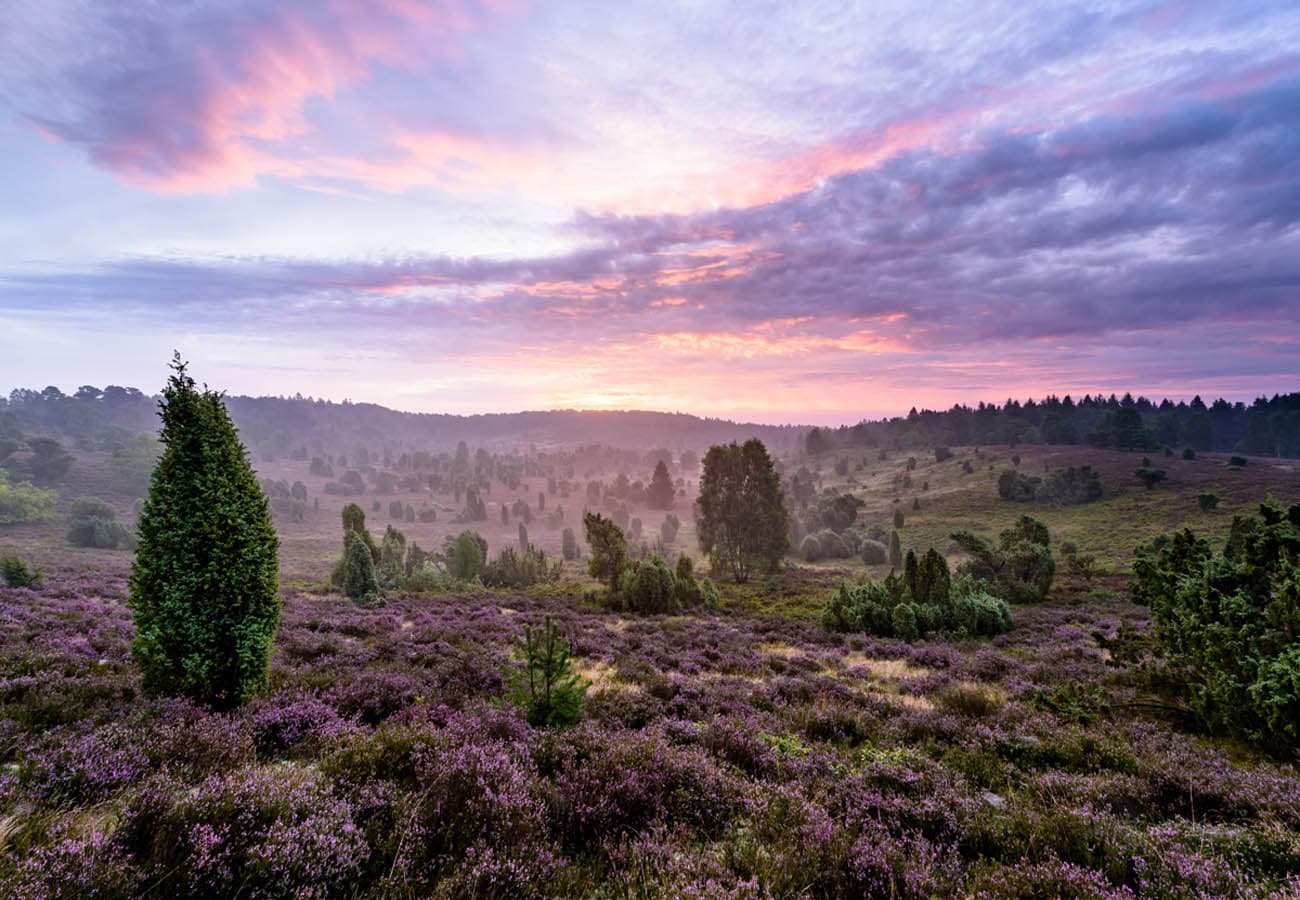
(660, 493)
(204, 580)
(608, 548)
(740, 514)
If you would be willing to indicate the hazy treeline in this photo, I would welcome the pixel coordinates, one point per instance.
(278, 424)
(1267, 427)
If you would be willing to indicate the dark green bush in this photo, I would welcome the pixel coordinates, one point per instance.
(1231, 623)
(1207, 502)
(93, 523)
(16, 574)
(924, 599)
(512, 569)
(359, 580)
(649, 586)
(203, 587)
(874, 553)
(1020, 569)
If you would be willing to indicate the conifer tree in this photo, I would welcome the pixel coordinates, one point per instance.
(203, 586)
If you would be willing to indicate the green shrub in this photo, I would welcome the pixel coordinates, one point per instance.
(512, 569)
(1231, 623)
(93, 523)
(1151, 476)
(810, 548)
(1189, 453)
(649, 586)
(22, 502)
(1207, 502)
(608, 548)
(467, 555)
(1020, 569)
(545, 685)
(203, 586)
(924, 599)
(16, 574)
(874, 553)
(569, 545)
(391, 571)
(1237, 462)
(359, 580)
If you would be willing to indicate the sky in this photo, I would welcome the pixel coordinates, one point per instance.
(781, 212)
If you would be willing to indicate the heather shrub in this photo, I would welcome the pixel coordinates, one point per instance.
(203, 586)
(294, 724)
(72, 864)
(1229, 622)
(93, 523)
(268, 831)
(16, 573)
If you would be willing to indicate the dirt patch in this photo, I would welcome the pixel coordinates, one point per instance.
(883, 669)
(601, 676)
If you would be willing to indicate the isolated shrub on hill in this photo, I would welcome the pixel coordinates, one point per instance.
(1230, 622)
(608, 549)
(23, 502)
(898, 518)
(1151, 476)
(93, 523)
(741, 516)
(942, 454)
(545, 684)
(569, 545)
(204, 580)
(1020, 568)
(895, 549)
(357, 571)
(16, 573)
(874, 553)
(669, 527)
(1207, 502)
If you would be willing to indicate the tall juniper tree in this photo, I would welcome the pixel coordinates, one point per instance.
(203, 586)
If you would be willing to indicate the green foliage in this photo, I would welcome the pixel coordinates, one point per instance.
(1237, 462)
(1020, 569)
(392, 559)
(546, 685)
(569, 545)
(836, 513)
(359, 580)
(93, 523)
(608, 549)
(1207, 502)
(512, 569)
(668, 529)
(49, 462)
(1189, 453)
(1231, 622)
(660, 493)
(874, 553)
(924, 599)
(467, 556)
(1151, 476)
(16, 574)
(942, 454)
(1063, 487)
(740, 514)
(23, 502)
(649, 587)
(204, 581)
(895, 549)
(898, 518)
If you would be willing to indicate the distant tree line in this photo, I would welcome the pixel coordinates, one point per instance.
(1267, 427)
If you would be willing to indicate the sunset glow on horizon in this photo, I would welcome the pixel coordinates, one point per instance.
(807, 213)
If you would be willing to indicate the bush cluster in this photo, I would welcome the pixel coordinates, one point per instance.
(1020, 568)
(1062, 487)
(1231, 622)
(93, 523)
(923, 599)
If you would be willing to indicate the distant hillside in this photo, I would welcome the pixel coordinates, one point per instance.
(279, 425)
